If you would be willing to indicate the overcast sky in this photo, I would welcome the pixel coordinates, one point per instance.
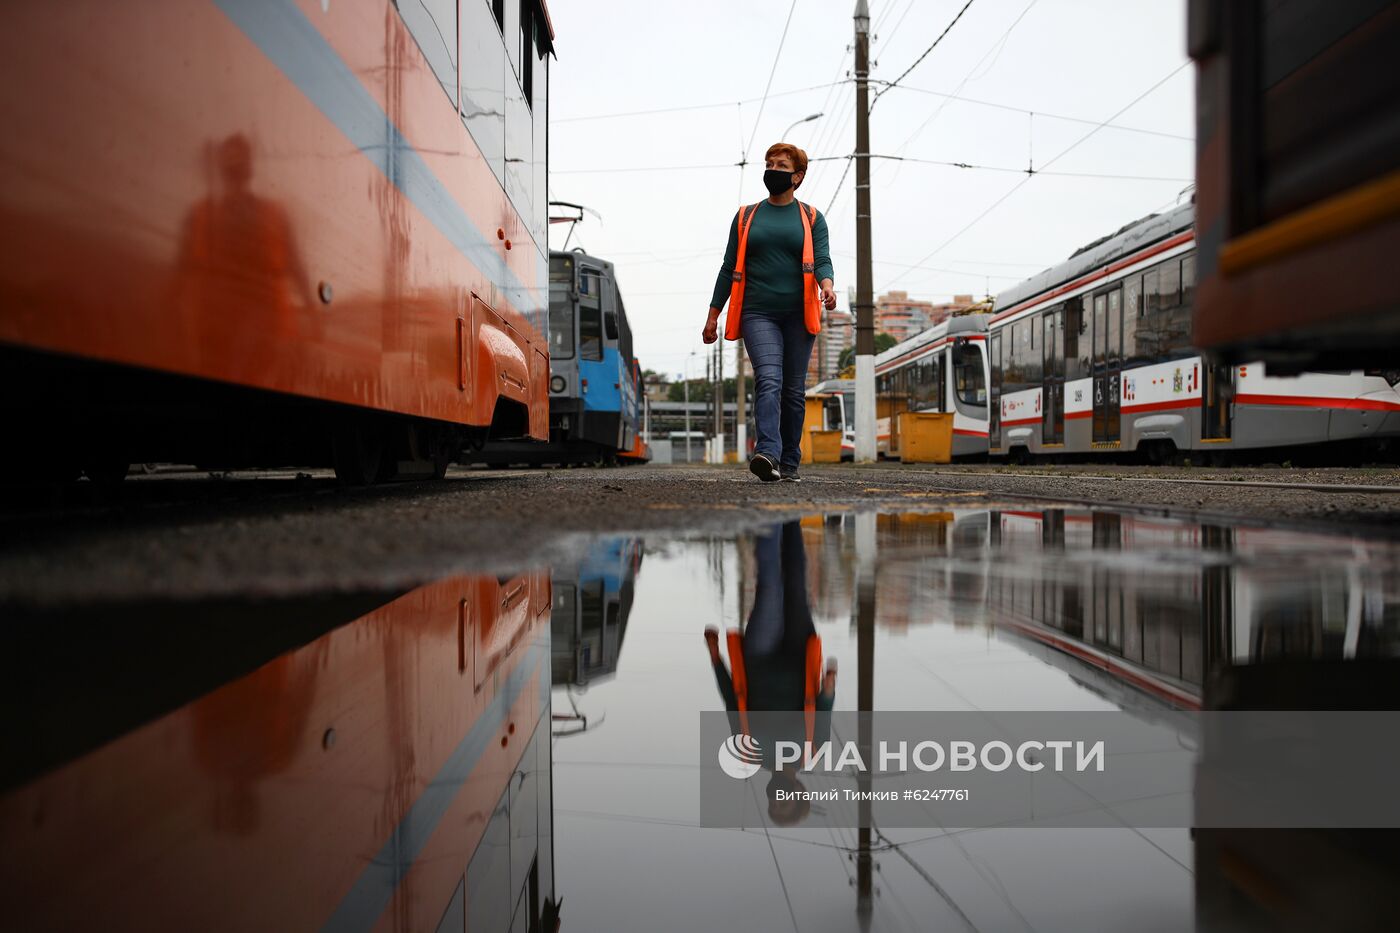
(667, 186)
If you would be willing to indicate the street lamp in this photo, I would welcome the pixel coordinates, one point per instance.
(808, 119)
(693, 354)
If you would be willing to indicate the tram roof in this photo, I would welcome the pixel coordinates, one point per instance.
(952, 326)
(577, 254)
(1100, 253)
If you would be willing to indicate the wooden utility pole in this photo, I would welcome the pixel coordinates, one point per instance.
(865, 308)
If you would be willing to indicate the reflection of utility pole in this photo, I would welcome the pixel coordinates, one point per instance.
(865, 704)
(865, 323)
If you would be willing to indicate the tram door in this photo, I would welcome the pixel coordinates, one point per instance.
(1216, 397)
(1052, 409)
(1108, 365)
(994, 393)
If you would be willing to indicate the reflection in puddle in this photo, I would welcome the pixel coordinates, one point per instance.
(388, 773)
(976, 610)
(396, 761)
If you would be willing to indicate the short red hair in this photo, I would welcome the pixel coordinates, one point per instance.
(798, 157)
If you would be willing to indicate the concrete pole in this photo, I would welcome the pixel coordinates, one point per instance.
(865, 322)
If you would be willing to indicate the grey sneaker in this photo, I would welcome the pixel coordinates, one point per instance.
(789, 475)
(762, 466)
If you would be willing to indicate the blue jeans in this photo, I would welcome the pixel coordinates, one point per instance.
(780, 349)
(781, 619)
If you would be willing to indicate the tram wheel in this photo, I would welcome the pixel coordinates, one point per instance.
(357, 452)
(440, 452)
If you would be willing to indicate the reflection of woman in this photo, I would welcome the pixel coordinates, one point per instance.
(777, 271)
(777, 666)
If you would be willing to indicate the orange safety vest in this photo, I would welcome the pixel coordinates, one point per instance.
(812, 670)
(811, 302)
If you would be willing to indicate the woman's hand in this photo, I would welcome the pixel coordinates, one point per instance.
(828, 296)
(711, 332)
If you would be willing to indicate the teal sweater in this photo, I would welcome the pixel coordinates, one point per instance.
(773, 263)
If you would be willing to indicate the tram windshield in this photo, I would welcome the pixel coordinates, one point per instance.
(967, 371)
(590, 315)
(561, 326)
(834, 421)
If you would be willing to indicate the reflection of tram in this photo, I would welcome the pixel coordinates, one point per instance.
(1097, 356)
(336, 763)
(1092, 587)
(591, 606)
(595, 391)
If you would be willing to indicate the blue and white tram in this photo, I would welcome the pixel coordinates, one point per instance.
(594, 395)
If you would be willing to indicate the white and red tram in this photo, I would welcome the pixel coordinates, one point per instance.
(1097, 355)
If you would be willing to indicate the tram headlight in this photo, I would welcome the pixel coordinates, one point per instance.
(556, 384)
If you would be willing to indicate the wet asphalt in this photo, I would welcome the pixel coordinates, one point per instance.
(190, 535)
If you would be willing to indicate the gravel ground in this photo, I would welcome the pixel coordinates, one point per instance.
(189, 536)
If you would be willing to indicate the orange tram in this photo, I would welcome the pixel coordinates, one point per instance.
(261, 232)
(366, 761)
(1298, 182)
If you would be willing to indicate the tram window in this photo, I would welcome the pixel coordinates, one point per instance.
(1133, 352)
(561, 326)
(526, 51)
(1130, 329)
(590, 315)
(498, 10)
(971, 386)
(1011, 373)
(1115, 324)
(1171, 283)
(833, 413)
(1188, 280)
(433, 23)
(1100, 328)
(1165, 329)
(1152, 291)
(483, 82)
(1028, 357)
(1076, 348)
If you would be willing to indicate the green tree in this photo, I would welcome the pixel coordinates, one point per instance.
(702, 390)
(883, 342)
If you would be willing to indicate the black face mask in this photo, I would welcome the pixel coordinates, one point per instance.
(777, 181)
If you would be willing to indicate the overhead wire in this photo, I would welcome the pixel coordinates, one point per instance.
(1000, 42)
(875, 30)
(896, 81)
(1028, 171)
(951, 97)
(777, 57)
(947, 29)
(683, 107)
(1023, 182)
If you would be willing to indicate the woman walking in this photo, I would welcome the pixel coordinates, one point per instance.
(777, 277)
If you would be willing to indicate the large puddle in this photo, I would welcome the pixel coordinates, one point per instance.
(490, 753)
